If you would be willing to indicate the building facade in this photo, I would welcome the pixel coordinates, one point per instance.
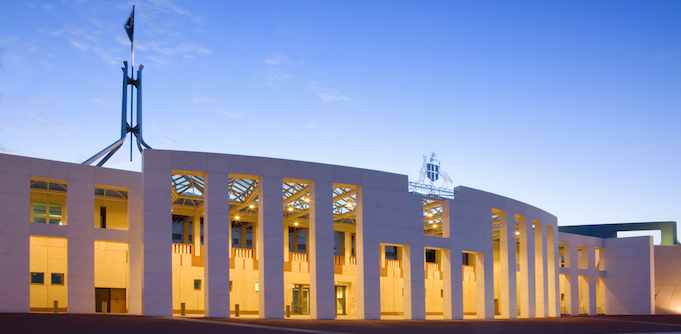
(226, 235)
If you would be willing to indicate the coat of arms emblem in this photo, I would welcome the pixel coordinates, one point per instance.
(431, 170)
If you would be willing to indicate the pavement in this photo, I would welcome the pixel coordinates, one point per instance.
(97, 323)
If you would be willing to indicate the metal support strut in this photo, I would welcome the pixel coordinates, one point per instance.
(126, 127)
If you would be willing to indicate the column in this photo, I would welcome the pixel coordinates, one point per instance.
(539, 266)
(158, 270)
(217, 226)
(321, 255)
(348, 247)
(269, 243)
(414, 282)
(452, 281)
(507, 267)
(368, 254)
(15, 218)
(196, 232)
(135, 225)
(80, 209)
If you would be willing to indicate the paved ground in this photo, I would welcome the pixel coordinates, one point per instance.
(89, 323)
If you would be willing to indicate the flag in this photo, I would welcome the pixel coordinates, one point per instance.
(130, 25)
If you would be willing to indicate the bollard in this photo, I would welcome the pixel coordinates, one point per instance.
(56, 306)
(105, 306)
(183, 309)
(288, 311)
(236, 310)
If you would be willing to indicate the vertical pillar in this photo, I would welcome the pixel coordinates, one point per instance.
(217, 226)
(539, 277)
(320, 242)
(574, 294)
(242, 236)
(348, 247)
(545, 257)
(158, 273)
(552, 259)
(526, 293)
(80, 206)
(196, 233)
(136, 256)
(507, 267)
(15, 197)
(484, 280)
(368, 254)
(453, 281)
(414, 282)
(593, 294)
(286, 243)
(270, 241)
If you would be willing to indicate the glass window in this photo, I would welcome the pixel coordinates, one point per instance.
(257, 286)
(42, 215)
(57, 279)
(37, 278)
(197, 284)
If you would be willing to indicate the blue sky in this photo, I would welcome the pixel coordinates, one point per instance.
(571, 106)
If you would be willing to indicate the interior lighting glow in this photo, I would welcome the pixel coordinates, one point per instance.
(435, 226)
(517, 233)
(348, 204)
(236, 217)
(295, 224)
(430, 214)
(290, 208)
(251, 206)
(306, 199)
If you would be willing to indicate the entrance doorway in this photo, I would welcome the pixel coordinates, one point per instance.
(341, 300)
(301, 299)
(114, 298)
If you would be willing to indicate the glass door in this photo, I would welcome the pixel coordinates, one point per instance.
(340, 300)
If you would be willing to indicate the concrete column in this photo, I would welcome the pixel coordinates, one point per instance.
(368, 256)
(320, 244)
(15, 234)
(593, 293)
(270, 241)
(217, 226)
(574, 294)
(484, 279)
(545, 264)
(539, 266)
(413, 263)
(196, 233)
(507, 267)
(286, 242)
(136, 256)
(552, 260)
(526, 293)
(158, 273)
(348, 247)
(242, 236)
(80, 208)
(454, 258)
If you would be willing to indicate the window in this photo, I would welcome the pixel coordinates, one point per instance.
(37, 278)
(257, 286)
(57, 279)
(431, 255)
(47, 213)
(230, 285)
(48, 202)
(102, 217)
(465, 260)
(197, 284)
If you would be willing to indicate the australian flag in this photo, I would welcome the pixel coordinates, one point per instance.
(130, 25)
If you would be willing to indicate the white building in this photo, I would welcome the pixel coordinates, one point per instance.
(203, 233)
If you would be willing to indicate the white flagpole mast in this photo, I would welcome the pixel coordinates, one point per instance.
(132, 72)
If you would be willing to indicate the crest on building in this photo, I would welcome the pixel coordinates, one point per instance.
(432, 171)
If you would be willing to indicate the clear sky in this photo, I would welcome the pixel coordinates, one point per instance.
(571, 106)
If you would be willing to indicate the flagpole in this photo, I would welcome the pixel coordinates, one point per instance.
(132, 74)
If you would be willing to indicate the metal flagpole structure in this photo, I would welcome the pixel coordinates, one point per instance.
(126, 127)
